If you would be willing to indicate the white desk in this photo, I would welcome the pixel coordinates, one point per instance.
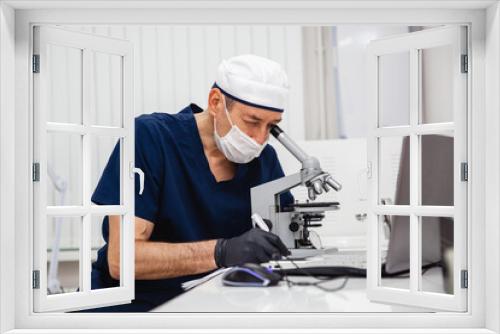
(212, 296)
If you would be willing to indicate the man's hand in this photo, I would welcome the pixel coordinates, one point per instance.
(255, 246)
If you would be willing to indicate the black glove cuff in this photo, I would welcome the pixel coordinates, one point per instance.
(219, 253)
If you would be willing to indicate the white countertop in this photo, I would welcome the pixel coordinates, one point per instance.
(213, 296)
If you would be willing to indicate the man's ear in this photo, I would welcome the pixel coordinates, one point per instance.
(215, 101)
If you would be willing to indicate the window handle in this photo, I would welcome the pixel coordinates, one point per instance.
(135, 170)
(141, 179)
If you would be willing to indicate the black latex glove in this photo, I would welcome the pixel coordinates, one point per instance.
(254, 246)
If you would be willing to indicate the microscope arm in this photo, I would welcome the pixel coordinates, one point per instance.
(312, 175)
(265, 197)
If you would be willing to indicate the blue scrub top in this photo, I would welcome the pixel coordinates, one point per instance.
(181, 195)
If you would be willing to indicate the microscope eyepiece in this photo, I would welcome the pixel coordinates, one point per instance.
(276, 131)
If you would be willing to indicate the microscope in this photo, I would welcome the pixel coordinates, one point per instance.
(293, 222)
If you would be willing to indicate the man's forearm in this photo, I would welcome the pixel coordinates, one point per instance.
(157, 260)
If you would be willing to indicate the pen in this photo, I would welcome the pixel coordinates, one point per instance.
(257, 220)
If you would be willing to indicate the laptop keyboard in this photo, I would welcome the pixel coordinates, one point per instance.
(355, 259)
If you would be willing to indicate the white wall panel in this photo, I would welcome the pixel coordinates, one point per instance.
(227, 41)
(164, 67)
(152, 91)
(277, 51)
(212, 56)
(243, 40)
(176, 65)
(198, 76)
(297, 108)
(181, 69)
(260, 40)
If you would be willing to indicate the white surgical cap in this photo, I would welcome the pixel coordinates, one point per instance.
(254, 81)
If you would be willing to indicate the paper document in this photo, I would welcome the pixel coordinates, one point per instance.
(194, 283)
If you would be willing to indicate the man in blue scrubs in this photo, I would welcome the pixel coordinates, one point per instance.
(194, 213)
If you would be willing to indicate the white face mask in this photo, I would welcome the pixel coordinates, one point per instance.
(236, 145)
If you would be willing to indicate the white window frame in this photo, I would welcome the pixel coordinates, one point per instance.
(484, 122)
(454, 37)
(85, 297)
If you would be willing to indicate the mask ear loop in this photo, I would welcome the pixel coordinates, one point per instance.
(227, 112)
(227, 115)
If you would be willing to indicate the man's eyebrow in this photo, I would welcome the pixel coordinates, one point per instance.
(257, 118)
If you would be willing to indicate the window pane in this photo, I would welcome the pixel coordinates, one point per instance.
(394, 170)
(65, 86)
(437, 170)
(100, 232)
(64, 169)
(107, 89)
(436, 85)
(106, 167)
(394, 89)
(395, 271)
(437, 247)
(64, 236)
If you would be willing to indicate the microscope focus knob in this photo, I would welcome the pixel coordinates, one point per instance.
(294, 227)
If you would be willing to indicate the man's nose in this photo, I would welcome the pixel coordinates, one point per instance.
(262, 135)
